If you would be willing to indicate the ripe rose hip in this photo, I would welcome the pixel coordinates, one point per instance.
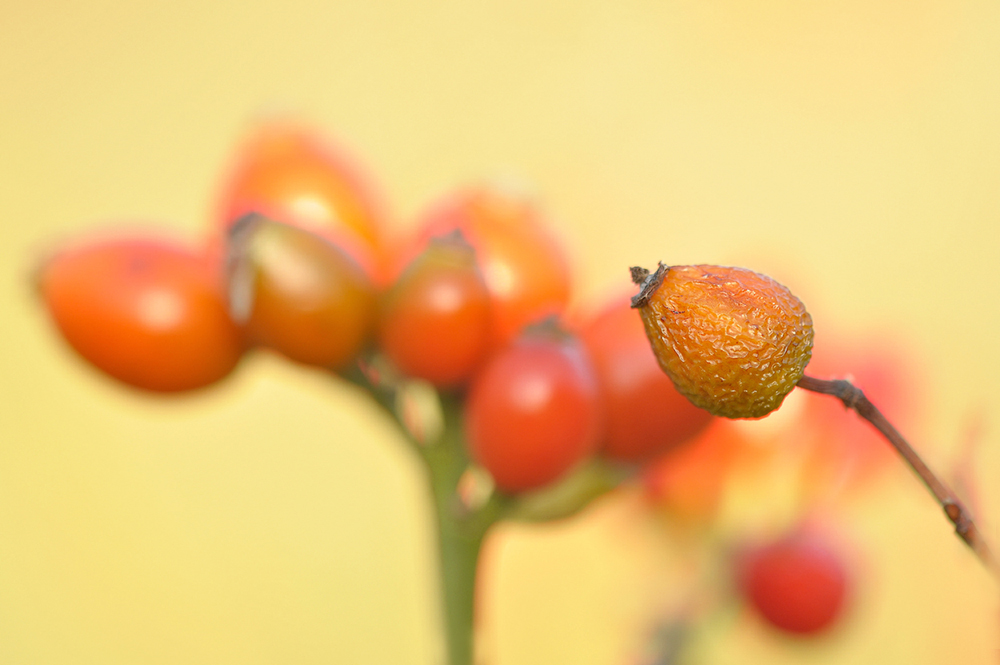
(149, 312)
(525, 267)
(798, 584)
(435, 320)
(843, 453)
(299, 294)
(534, 411)
(733, 341)
(293, 174)
(688, 483)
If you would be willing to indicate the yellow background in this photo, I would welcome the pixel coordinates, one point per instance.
(850, 149)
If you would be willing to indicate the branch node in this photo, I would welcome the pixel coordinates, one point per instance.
(954, 512)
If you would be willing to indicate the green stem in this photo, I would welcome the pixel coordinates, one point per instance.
(459, 549)
(461, 526)
(459, 558)
(461, 530)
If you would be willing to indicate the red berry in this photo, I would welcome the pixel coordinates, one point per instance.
(843, 451)
(525, 267)
(798, 584)
(435, 320)
(533, 412)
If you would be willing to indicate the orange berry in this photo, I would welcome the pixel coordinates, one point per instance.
(687, 483)
(525, 267)
(295, 292)
(293, 174)
(150, 312)
(435, 320)
(733, 341)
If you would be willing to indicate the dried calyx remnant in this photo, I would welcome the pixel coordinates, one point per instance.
(733, 341)
(736, 342)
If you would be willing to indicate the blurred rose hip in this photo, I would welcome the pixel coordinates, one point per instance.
(149, 312)
(291, 173)
(798, 584)
(844, 452)
(645, 413)
(435, 320)
(687, 484)
(534, 412)
(526, 269)
(298, 293)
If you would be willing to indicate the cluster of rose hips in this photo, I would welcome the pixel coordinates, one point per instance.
(473, 302)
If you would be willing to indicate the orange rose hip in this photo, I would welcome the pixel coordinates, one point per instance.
(733, 341)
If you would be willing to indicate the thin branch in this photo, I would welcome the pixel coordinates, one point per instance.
(854, 399)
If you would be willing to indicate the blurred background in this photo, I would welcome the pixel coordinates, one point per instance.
(851, 150)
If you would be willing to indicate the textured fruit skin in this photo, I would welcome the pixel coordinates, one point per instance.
(733, 341)
(646, 415)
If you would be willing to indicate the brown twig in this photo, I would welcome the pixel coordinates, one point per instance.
(854, 399)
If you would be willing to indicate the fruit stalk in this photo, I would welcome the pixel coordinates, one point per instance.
(956, 512)
(461, 528)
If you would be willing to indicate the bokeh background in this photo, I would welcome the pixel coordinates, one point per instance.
(850, 149)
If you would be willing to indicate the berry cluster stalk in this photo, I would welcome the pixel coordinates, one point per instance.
(461, 530)
(461, 525)
(854, 399)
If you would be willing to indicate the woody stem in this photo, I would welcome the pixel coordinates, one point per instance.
(854, 399)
